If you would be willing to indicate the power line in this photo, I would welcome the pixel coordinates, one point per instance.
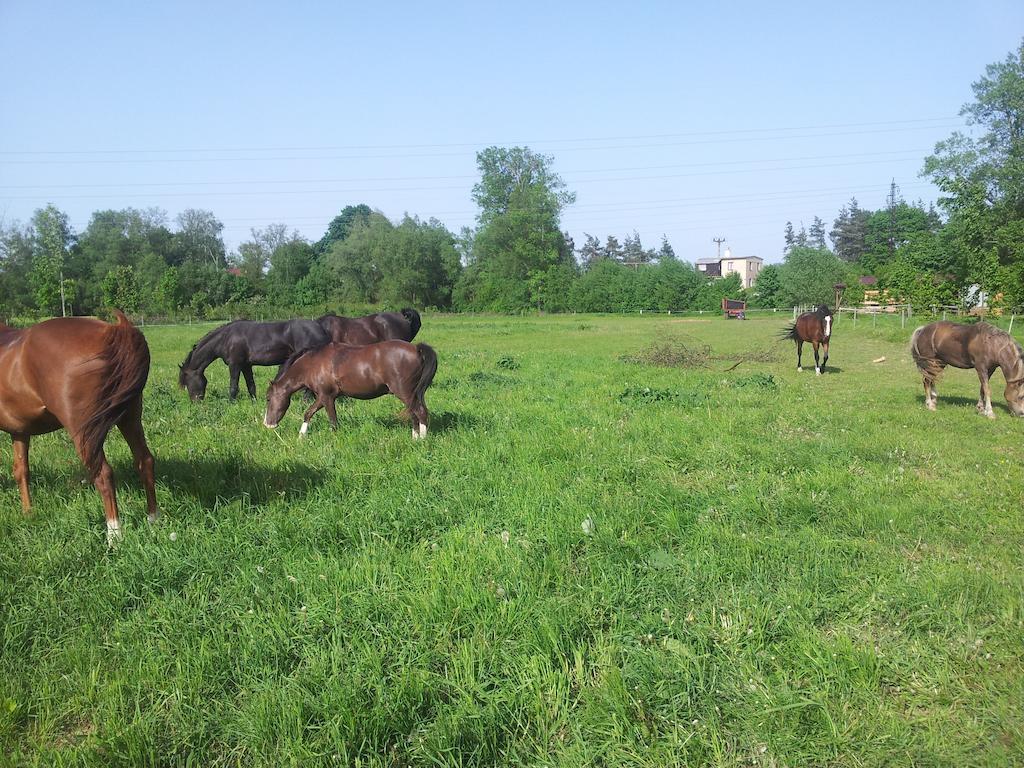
(332, 148)
(322, 158)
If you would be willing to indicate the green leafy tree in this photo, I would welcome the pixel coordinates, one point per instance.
(52, 238)
(808, 276)
(121, 289)
(341, 225)
(768, 287)
(982, 180)
(518, 238)
(199, 238)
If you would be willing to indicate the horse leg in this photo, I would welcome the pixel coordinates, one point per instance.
(105, 485)
(131, 429)
(420, 415)
(817, 365)
(250, 382)
(20, 444)
(332, 415)
(234, 370)
(799, 354)
(930, 395)
(986, 393)
(316, 406)
(824, 360)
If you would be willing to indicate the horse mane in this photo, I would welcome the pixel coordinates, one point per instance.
(187, 362)
(823, 311)
(127, 357)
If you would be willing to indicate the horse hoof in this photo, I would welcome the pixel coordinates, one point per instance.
(817, 371)
(799, 369)
(113, 534)
(930, 406)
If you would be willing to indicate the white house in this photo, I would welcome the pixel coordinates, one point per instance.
(747, 267)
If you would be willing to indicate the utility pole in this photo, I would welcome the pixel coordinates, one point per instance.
(891, 203)
(63, 311)
(718, 241)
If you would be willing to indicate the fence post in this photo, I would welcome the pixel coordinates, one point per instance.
(1010, 329)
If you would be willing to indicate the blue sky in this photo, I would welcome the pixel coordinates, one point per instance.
(724, 120)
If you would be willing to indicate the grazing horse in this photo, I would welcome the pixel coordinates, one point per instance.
(364, 372)
(241, 345)
(86, 376)
(982, 347)
(370, 329)
(815, 327)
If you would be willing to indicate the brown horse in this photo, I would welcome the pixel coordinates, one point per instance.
(83, 375)
(815, 327)
(364, 372)
(982, 347)
(369, 329)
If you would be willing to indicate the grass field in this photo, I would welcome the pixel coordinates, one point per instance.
(588, 562)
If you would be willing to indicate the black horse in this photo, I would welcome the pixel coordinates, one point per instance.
(369, 329)
(241, 344)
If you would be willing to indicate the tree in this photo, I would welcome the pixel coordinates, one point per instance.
(518, 239)
(848, 232)
(808, 276)
(121, 289)
(591, 251)
(982, 180)
(816, 234)
(517, 178)
(341, 225)
(52, 237)
(768, 287)
(789, 237)
(15, 265)
(666, 252)
(199, 237)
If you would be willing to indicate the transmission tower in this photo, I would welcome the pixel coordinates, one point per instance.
(890, 201)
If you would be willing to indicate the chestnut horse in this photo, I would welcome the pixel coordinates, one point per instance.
(982, 347)
(83, 375)
(369, 329)
(364, 372)
(815, 327)
(241, 345)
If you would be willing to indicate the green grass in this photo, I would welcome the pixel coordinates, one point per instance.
(780, 569)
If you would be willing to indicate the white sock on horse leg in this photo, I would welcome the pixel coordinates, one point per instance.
(304, 429)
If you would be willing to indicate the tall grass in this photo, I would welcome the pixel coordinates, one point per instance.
(589, 561)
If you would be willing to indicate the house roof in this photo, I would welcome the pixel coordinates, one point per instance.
(708, 261)
(868, 280)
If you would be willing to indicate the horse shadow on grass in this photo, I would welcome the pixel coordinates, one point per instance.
(963, 402)
(440, 421)
(209, 480)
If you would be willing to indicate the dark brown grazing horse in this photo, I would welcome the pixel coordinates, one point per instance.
(982, 347)
(241, 344)
(815, 327)
(364, 372)
(369, 329)
(83, 375)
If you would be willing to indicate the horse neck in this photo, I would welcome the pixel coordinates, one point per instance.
(200, 358)
(294, 378)
(1011, 361)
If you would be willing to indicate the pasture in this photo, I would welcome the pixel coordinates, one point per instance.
(589, 561)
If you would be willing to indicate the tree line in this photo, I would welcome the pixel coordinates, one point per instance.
(517, 258)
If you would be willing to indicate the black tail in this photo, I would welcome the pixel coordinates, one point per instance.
(413, 317)
(126, 355)
(789, 332)
(428, 358)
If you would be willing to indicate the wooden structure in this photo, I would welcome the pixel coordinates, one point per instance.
(734, 308)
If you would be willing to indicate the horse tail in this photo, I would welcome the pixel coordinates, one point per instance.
(428, 367)
(126, 356)
(790, 332)
(413, 317)
(928, 365)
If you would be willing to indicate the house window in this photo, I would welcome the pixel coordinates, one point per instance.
(728, 266)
